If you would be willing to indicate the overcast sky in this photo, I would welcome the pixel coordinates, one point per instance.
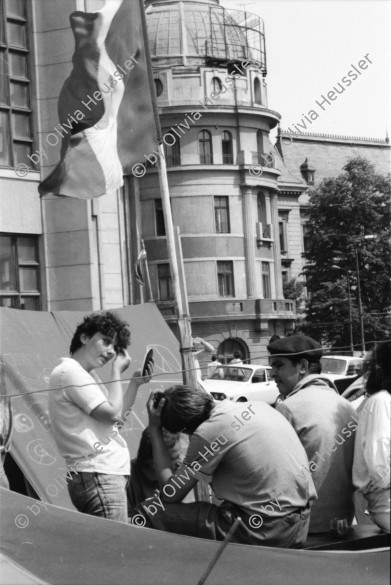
(311, 45)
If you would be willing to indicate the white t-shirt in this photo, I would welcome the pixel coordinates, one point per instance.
(80, 438)
(371, 466)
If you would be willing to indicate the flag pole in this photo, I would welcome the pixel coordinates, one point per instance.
(184, 323)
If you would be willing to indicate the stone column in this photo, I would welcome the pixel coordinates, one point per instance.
(249, 240)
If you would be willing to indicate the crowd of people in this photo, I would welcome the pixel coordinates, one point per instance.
(287, 471)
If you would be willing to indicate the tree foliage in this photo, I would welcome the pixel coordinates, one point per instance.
(342, 211)
(293, 289)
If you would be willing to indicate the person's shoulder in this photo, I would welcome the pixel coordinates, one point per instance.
(60, 367)
(379, 400)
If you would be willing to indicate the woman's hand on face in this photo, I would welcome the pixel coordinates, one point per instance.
(121, 362)
(154, 414)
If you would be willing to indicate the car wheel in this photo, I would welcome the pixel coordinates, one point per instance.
(242, 399)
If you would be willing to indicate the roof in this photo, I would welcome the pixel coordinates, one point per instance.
(328, 154)
(199, 29)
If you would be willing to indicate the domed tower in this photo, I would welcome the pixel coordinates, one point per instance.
(209, 68)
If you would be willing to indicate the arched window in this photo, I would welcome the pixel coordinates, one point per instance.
(261, 207)
(158, 87)
(206, 152)
(227, 348)
(228, 157)
(260, 143)
(257, 91)
(217, 86)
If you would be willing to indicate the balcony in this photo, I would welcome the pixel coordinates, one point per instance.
(238, 309)
(264, 159)
(271, 309)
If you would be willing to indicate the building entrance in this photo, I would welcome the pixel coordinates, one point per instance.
(227, 348)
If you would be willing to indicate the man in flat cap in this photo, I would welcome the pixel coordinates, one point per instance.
(324, 421)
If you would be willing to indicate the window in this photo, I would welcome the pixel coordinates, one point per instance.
(260, 143)
(266, 280)
(222, 215)
(217, 86)
(15, 113)
(261, 208)
(158, 87)
(225, 277)
(257, 91)
(159, 218)
(228, 157)
(306, 237)
(19, 272)
(165, 284)
(259, 376)
(173, 154)
(206, 153)
(283, 217)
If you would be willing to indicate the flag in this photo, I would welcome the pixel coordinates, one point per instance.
(137, 266)
(105, 106)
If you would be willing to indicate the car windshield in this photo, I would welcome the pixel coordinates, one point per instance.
(333, 366)
(235, 374)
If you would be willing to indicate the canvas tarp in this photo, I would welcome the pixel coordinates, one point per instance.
(65, 547)
(32, 343)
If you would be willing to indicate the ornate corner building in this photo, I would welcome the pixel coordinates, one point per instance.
(231, 194)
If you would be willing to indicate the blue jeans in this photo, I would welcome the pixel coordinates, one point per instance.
(99, 494)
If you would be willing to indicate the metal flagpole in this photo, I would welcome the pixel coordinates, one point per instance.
(184, 323)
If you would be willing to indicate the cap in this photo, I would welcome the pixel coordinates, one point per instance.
(297, 345)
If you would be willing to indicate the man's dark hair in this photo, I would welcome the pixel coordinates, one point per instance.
(214, 357)
(185, 409)
(236, 354)
(106, 323)
(314, 366)
(379, 367)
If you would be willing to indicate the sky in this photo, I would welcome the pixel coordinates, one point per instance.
(311, 45)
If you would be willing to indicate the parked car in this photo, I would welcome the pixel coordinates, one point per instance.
(341, 366)
(242, 383)
(355, 393)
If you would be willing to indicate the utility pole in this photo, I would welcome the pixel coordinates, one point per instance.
(360, 313)
(350, 315)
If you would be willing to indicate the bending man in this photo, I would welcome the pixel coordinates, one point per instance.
(253, 460)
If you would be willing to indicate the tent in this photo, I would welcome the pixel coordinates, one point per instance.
(31, 344)
(47, 542)
(64, 547)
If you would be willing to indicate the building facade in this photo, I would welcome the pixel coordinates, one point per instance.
(315, 157)
(224, 175)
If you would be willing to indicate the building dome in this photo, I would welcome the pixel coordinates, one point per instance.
(201, 32)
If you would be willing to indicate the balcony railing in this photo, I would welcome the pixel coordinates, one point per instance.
(264, 159)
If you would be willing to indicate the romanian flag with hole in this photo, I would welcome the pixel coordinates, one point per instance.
(105, 105)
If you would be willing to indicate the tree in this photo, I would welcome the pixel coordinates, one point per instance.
(342, 211)
(293, 289)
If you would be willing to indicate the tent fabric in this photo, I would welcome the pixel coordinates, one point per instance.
(13, 573)
(32, 343)
(63, 546)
